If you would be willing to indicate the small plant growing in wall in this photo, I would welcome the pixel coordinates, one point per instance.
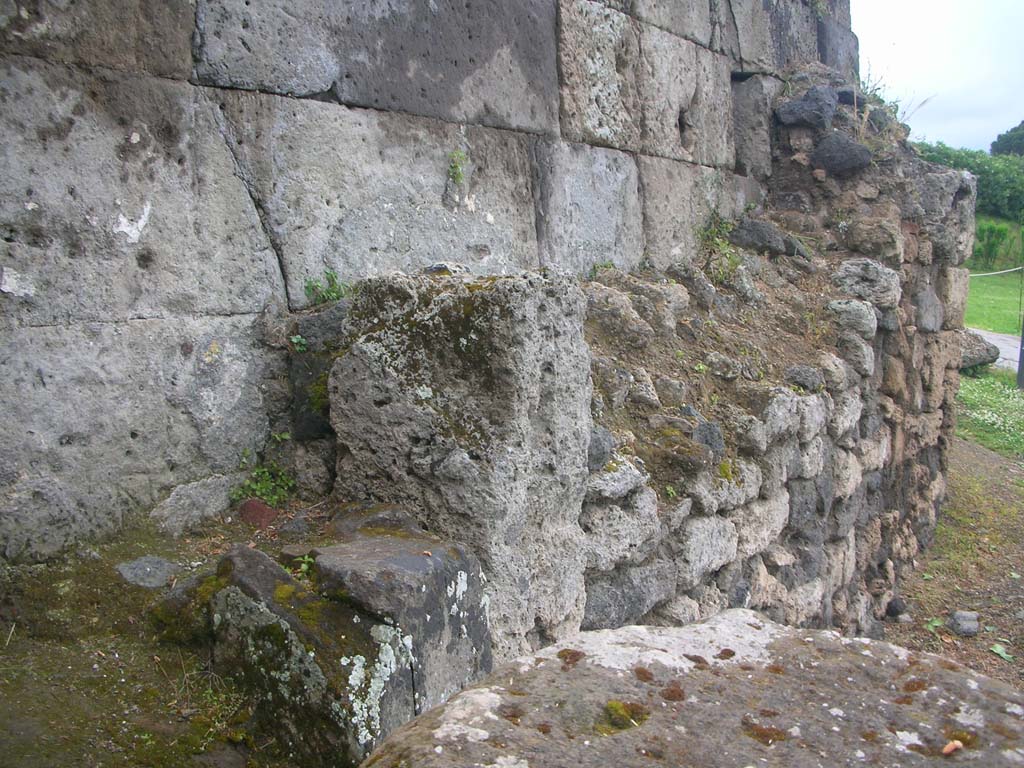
(268, 482)
(299, 343)
(326, 290)
(721, 259)
(457, 160)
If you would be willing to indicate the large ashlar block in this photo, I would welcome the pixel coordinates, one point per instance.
(119, 200)
(773, 35)
(363, 192)
(107, 418)
(127, 35)
(588, 207)
(490, 62)
(679, 200)
(630, 85)
(752, 120)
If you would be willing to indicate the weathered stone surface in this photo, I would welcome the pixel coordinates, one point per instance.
(135, 36)
(976, 351)
(147, 571)
(760, 522)
(192, 504)
(838, 47)
(621, 697)
(752, 123)
(490, 63)
(815, 109)
(856, 316)
(671, 101)
(965, 623)
(679, 199)
(869, 280)
(705, 544)
(760, 236)
(334, 665)
(487, 382)
(127, 174)
(624, 595)
(588, 207)
(839, 155)
(599, 452)
(361, 192)
(114, 415)
(433, 591)
(771, 37)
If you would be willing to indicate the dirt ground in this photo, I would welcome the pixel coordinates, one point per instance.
(976, 563)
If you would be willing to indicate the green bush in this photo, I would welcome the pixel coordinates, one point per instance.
(268, 482)
(327, 290)
(990, 237)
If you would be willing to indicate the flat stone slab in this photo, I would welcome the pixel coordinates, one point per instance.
(148, 571)
(735, 690)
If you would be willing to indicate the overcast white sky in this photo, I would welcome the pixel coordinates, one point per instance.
(968, 55)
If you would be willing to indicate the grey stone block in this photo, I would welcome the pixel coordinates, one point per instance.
(119, 200)
(686, 18)
(624, 595)
(110, 416)
(773, 36)
(705, 544)
(679, 199)
(191, 504)
(840, 155)
(148, 571)
(127, 35)
(489, 62)
(752, 124)
(588, 207)
(633, 86)
(362, 192)
(433, 592)
(470, 399)
(838, 47)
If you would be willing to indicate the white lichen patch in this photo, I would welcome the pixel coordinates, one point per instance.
(971, 717)
(464, 715)
(133, 229)
(366, 687)
(906, 739)
(746, 633)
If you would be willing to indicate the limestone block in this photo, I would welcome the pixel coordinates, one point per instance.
(713, 493)
(685, 18)
(362, 192)
(490, 63)
(867, 279)
(752, 124)
(624, 532)
(838, 47)
(759, 523)
(634, 86)
(953, 285)
(588, 207)
(703, 545)
(856, 316)
(679, 199)
(126, 35)
(774, 36)
(111, 416)
(469, 400)
(625, 595)
(547, 693)
(118, 200)
(430, 590)
(192, 504)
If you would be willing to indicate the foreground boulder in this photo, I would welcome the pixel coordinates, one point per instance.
(365, 634)
(735, 690)
(976, 351)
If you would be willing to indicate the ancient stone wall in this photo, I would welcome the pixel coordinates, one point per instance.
(174, 173)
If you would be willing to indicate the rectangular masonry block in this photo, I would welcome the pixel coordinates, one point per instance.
(490, 62)
(362, 192)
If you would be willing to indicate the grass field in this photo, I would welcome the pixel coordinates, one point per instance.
(993, 303)
(992, 412)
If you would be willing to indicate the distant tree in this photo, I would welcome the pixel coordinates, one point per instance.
(990, 236)
(1011, 142)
